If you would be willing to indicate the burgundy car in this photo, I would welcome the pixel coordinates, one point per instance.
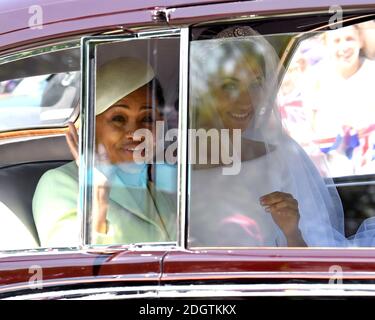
(49, 51)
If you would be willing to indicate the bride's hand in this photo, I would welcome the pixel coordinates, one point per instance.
(101, 182)
(284, 210)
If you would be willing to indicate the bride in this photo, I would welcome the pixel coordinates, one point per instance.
(278, 197)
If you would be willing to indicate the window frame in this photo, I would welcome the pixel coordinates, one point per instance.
(82, 43)
(287, 56)
(41, 131)
(87, 130)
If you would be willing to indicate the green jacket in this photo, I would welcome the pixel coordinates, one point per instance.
(134, 214)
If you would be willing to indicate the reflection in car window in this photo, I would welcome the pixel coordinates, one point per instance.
(326, 99)
(135, 171)
(327, 105)
(43, 96)
(38, 88)
(25, 102)
(251, 185)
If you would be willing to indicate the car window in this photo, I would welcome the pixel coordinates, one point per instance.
(39, 91)
(326, 99)
(267, 144)
(134, 172)
(39, 88)
(327, 106)
(134, 194)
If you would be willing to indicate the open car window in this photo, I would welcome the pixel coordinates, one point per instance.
(273, 118)
(40, 90)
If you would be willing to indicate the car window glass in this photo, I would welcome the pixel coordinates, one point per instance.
(38, 89)
(38, 93)
(326, 99)
(135, 162)
(327, 106)
(252, 140)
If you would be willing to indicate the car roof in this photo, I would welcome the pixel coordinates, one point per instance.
(64, 18)
(16, 13)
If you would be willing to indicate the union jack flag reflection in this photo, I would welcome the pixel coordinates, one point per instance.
(327, 103)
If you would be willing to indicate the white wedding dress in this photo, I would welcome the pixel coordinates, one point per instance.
(225, 209)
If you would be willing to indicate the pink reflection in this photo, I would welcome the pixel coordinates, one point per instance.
(249, 225)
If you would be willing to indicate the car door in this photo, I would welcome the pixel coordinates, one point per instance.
(239, 270)
(37, 145)
(182, 269)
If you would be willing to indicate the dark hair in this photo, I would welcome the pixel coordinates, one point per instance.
(157, 91)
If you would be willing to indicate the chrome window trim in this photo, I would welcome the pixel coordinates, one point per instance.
(257, 17)
(40, 50)
(207, 291)
(133, 247)
(95, 249)
(38, 251)
(183, 115)
(86, 141)
(284, 275)
(352, 184)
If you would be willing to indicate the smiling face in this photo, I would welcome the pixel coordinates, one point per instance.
(345, 44)
(236, 92)
(115, 126)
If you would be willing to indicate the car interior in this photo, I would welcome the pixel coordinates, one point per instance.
(26, 154)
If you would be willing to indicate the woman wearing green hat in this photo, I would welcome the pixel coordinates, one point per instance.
(128, 206)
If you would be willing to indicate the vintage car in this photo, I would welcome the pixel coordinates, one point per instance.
(49, 51)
